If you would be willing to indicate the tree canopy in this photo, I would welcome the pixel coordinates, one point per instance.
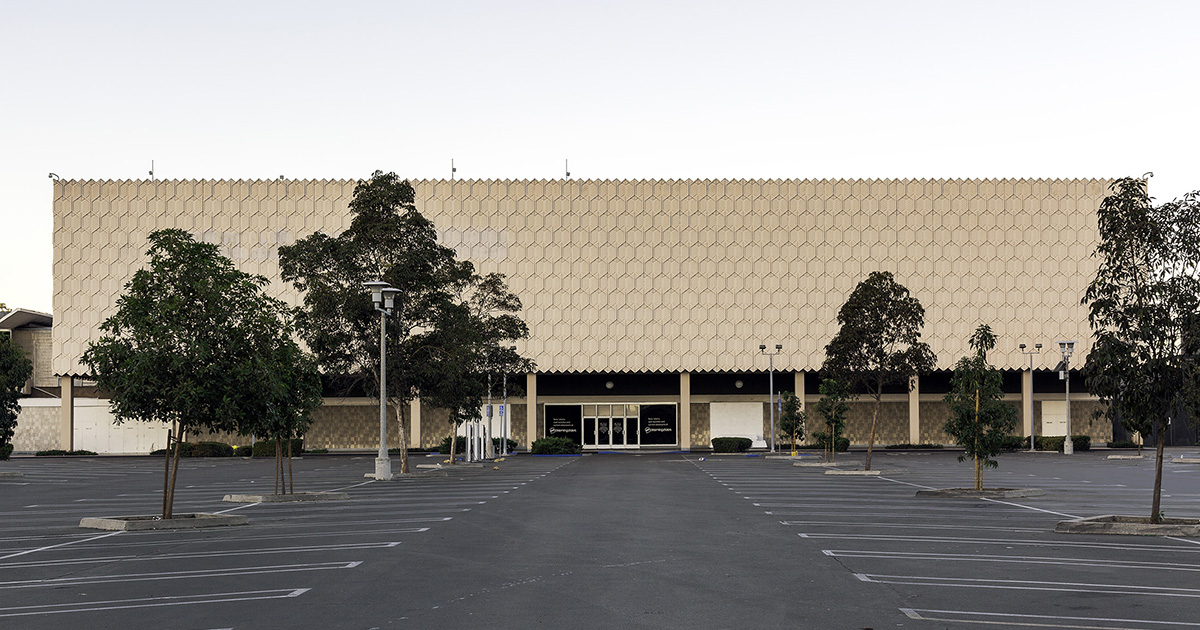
(446, 315)
(198, 344)
(1144, 310)
(879, 342)
(979, 419)
(15, 369)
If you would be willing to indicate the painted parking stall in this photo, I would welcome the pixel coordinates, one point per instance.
(989, 562)
(55, 573)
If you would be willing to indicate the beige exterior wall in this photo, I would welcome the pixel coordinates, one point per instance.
(37, 425)
(674, 275)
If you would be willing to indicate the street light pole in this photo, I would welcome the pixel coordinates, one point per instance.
(383, 295)
(1067, 348)
(762, 348)
(1037, 349)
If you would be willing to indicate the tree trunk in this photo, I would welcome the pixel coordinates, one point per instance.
(167, 467)
(978, 468)
(1156, 506)
(278, 463)
(291, 477)
(874, 420)
(174, 477)
(403, 440)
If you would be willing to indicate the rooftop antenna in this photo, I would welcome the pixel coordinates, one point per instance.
(452, 169)
(1147, 174)
(55, 176)
(151, 170)
(567, 167)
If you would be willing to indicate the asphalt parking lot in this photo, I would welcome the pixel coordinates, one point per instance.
(601, 541)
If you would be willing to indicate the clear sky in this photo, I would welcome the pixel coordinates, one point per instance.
(624, 89)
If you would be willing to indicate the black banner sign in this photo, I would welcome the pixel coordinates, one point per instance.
(565, 421)
(658, 426)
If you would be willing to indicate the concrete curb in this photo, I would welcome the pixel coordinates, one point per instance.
(10, 474)
(1186, 460)
(796, 458)
(297, 497)
(995, 493)
(1130, 526)
(1126, 457)
(869, 473)
(179, 521)
(824, 464)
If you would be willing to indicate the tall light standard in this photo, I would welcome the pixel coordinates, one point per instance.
(504, 413)
(384, 296)
(1067, 348)
(1037, 349)
(762, 348)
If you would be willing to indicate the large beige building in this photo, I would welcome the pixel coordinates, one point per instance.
(648, 300)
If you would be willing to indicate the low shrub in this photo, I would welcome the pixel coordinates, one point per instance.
(460, 445)
(1121, 444)
(913, 446)
(317, 451)
(841, 445)
(212, 449)
(731, 444)
(1014, 443)
(266, 448)
(1080, 442)
(556, 446)
(5, 451)
(512, 444)
(55, 452)
(246, 450)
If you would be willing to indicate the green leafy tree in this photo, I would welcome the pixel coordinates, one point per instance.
(833, 408)
(389, 240)
(879, 342)
(979, 419)
(199, 345)
(470, 348)
(1144, 310)
(791, 419)
(293, 391)
(15, 369)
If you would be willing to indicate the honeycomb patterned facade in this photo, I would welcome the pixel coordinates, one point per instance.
(632, 276)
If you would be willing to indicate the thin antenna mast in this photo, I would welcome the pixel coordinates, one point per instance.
(452, 169)
(567, 167)
(151, 170)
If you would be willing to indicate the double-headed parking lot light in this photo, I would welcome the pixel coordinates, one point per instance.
(384, 297)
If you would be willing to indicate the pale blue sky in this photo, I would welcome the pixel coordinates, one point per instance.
(638, 89)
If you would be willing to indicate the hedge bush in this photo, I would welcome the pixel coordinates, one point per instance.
(556, 446)
(59, 452)
(212, 449)
(6, 451)
(841, 445)
(913, 446)
(246, 450)
(1121, 444)
(460, 445)
(266, 448)
(731, 444)
(1081, 443)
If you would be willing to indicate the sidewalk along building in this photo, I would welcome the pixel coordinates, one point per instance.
(648, 300)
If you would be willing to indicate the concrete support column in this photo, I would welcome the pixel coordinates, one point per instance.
(530, 409)
(66, 435)
(1026, 402)
(414, 422)
(685, 411)
(799, 388)
(914, 410)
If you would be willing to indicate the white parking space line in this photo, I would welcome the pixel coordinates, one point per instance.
(1030, 585)
(177, 575)
(1042, 621)
(151, 602)
(72, 542)
(960, 557)
(203, 554)
(1005, 541)
(864, 525)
